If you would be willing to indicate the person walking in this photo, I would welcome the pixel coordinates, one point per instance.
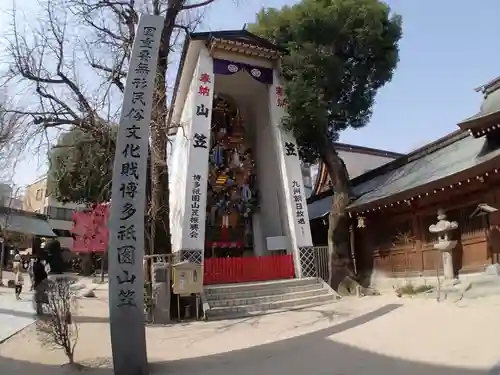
(30, 273)
(16, 263)
(39, 284)
(18, 283)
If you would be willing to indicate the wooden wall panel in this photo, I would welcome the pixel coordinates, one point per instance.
(474, 252)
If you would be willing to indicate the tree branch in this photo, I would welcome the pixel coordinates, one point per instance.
(197, 5)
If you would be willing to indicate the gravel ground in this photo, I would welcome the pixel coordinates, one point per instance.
(371, 335)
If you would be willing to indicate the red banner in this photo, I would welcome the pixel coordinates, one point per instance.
(90, 230)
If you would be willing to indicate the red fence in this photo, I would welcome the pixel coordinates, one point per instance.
(240, 270)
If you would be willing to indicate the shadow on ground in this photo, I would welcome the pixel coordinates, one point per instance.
(78, 319)
(311, 354)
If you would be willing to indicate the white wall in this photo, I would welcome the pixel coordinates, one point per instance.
(252, 100)
(268, 218)
(57, 224)
(53, 202)
(178, 174)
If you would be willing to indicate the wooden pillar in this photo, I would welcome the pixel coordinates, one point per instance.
(419, 237)
(492, 232)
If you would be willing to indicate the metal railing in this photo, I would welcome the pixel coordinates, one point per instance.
(321, 259)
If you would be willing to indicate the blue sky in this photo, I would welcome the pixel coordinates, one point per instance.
(449, 47)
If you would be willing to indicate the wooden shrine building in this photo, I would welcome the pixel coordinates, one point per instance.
(396, 203)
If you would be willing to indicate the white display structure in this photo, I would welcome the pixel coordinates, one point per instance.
(291, 176)
(215, 74)
(128, 200)
(202, 86)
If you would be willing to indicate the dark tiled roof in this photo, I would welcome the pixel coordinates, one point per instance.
(320, 207)
(366, 150)
(464, 153)
(452, 155)
(243, 35)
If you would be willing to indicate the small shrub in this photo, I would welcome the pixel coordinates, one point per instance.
(410, 289)
(98, 281)
(56, 327)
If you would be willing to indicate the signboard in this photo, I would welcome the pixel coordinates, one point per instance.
(202, 86)
(291, 174)
(128, 199)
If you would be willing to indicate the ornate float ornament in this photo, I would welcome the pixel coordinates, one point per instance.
(221, 180)
(225, 221)
(217, 156)
(221, 133)
(235, 160)
(246, 193)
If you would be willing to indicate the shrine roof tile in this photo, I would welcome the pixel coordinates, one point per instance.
(236, 35)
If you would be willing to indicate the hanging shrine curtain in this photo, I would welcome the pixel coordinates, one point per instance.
(226, 67)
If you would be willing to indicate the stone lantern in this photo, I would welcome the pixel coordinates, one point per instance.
(444, 244)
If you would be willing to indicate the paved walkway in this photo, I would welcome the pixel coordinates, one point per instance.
(14, 315)
(367, 336)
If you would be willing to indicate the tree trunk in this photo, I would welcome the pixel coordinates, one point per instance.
(339, 264)
(71, 357)
(86, 265)
(159, 214)
(103, 259)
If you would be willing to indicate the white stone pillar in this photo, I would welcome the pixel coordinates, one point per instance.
(448, 271)
(297, 217)
(198, 137)
(128, 201)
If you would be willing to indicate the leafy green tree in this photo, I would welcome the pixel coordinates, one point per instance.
(80, 171)
(339, 54)
(81, 167)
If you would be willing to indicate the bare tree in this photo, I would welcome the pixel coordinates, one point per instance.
(78, 77)
(46, 63)
(117, 38)
(57, 327)
(12, 140)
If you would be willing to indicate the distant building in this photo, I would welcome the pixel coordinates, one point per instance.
(60, 214)
(9, 198)
(456, 177)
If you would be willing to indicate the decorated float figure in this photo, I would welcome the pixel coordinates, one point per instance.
(232, 194)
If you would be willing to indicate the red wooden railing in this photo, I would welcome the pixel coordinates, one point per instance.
(240, 270)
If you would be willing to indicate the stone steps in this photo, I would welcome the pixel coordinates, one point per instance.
(246, 299)
(262, 285)
(267, 299)
(255, 293)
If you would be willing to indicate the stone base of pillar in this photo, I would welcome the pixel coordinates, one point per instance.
(307, 261)
(161, 292)
(448, 271)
